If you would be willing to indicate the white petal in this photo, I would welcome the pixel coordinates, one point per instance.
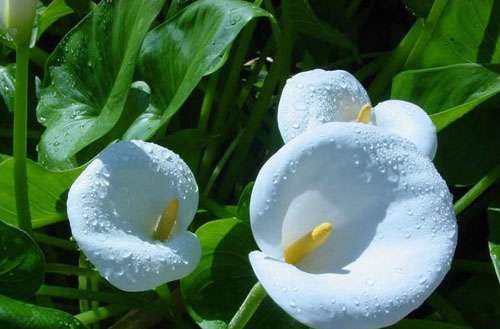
(114, 206)
(409, 121)
(312, 98)
(394, 230)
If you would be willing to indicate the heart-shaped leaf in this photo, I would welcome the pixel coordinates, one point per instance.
(47, 193)
(466, 32)
(220, 283)
(178, 53)
(18, 315)
(21, 263)
(89, 77)
(467, 147)
(448, 92)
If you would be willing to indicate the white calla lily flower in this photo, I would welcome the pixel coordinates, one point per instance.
(17, 16)
(129, 212)
(409, 121)
(312, 98)
(355, 225)
(315, 97)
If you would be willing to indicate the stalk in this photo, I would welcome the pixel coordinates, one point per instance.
(248, 308)
(468, 198)
(20, 138)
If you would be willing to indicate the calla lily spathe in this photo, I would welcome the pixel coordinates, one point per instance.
(312, 98)
(129, 212)
(17, 16)
(387, 230)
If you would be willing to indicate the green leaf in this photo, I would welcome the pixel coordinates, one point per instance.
(220, 283)
(18, 315)
(419, 8)
(8, 85)
(51, 14)
(494, 238)
(460, 99)
(448, 92)
(188, 143)
(89, 77)
(47, 193)
(477, 300)
(468, 31)
(21, 263)
(178, 53)
(304, 22)
(243, 212)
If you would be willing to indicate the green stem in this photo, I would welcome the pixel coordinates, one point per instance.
(83, 284)
(99, 314)
(37, 55)
(481, 186)
(64, 269)
(20, 139)
(208, 100)
(222, 162)
(431, 22)
(394, 63)
(55, 242)
(254, 122)
(231, 85)
(248, 308)
(129, 299)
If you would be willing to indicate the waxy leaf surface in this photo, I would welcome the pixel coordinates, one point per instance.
(21, 263)
(89, 77)
(47, 193)
(178, 53)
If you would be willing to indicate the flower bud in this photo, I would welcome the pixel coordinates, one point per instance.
(17, 17)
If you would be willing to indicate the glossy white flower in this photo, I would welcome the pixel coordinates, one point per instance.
(315, 97)
(355, 225)
(129, 212)
(312, 98)
(17, 16)
(409, 121)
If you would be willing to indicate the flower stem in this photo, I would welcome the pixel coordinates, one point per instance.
(481, 186)
(20, 138)
(248, 308)
(55, 242)
(70, 270)
(99, 314)
(121, 298)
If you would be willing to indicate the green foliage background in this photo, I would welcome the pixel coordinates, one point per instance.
(203, 78)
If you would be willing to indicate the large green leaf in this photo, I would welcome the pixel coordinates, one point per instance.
(448, 92)
(214, 291)
(467, 147)
(47, 193)
(494, 239)
(468, 31)
(89, 77)
(21, 263)
(7, 85)
(419, 8)
(51, 14)
(178, 53)
(18, 315)
(305, 22)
